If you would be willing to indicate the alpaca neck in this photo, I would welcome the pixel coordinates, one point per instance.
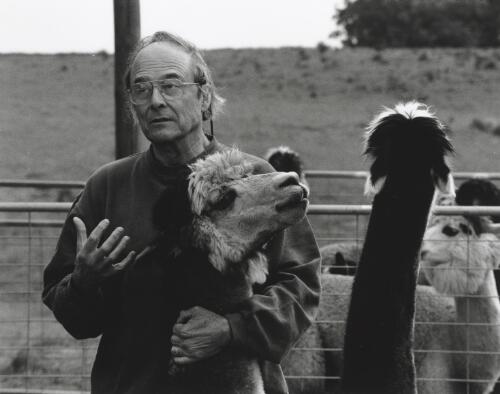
(482, 306)
(378, 345)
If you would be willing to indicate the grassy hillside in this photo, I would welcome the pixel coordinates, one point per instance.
(57, 122)
(57, 118)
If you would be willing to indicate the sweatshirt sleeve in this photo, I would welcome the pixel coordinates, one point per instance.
(81, 313)
(273, 319)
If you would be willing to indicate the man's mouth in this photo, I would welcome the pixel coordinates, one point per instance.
(160, 120)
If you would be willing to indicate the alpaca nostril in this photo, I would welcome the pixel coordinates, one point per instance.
(423, 254)
(290, 179)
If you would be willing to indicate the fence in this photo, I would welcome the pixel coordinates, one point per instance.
(37, 355)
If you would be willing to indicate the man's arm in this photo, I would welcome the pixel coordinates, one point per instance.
(270, 322)
(72, 280)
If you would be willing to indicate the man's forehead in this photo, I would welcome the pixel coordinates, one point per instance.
(161, 60)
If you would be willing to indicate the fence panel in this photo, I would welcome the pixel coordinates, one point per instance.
(37, 354)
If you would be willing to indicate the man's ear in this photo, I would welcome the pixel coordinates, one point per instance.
(205, 98)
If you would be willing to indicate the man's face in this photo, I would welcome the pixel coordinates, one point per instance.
(167, 119)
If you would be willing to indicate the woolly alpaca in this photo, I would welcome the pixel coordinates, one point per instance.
(408, 145)
(455, 261)
(458, 263)
(217, 239)
(340, 258)
(285, 159)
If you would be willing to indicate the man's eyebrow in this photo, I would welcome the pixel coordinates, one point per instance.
(169, 75)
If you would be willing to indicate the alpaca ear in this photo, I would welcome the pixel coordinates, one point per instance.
(339, 259)
(371, 189)
(446, 185)
(205, 98)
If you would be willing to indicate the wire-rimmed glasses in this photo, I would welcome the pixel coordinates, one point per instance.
(141, 92)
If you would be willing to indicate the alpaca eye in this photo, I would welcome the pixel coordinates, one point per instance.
(225, 200)
(465, 229)
(449, 231)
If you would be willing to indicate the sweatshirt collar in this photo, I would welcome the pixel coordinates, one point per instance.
(180, 171)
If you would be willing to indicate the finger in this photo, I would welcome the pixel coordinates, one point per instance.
(109, 244)
(145, 251)
(175, 340)
(96, 234)
(81, 233)
(118, 250)
(179, 330)
(183, 360)
(115, 268)
(177, 351)
(184, 316)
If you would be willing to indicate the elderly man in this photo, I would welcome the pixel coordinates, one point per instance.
(171, 93)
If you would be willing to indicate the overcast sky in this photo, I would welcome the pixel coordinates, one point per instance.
(48, 26)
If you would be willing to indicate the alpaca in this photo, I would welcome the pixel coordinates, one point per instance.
(408, 145)
(216, 238)
(458, 263)
(340, 257)
(453, 242)
(285, 159)
(478, 191)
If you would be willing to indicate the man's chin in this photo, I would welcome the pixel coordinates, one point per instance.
(162, 134)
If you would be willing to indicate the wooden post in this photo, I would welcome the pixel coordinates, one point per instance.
(127, 33)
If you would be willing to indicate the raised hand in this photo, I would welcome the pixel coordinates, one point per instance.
(93, 263)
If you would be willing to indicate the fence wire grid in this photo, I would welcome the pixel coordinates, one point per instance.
(38, 356)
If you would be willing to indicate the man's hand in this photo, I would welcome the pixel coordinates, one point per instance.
(94, 264)
(199, 334)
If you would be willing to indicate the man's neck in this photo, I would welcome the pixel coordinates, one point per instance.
(181, 151)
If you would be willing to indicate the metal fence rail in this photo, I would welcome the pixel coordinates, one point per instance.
(311, 174)
(37, 356)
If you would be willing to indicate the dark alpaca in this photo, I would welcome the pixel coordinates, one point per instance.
(478, 191)
(408, 145)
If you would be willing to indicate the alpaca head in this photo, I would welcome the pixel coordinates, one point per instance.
(233, 213)
(455, 260)
(408, 143)
(478, 191)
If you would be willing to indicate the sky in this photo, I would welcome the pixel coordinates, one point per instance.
(53, 26)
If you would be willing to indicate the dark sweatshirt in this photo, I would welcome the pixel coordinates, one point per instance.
(128, 313)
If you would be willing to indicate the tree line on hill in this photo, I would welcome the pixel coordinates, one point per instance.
(419, 23)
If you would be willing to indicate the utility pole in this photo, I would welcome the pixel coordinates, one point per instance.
(127, 33)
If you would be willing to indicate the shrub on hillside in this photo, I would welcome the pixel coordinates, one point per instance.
(410, 23)
(490, 126)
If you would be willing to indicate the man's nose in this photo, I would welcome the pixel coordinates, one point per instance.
(157, 100)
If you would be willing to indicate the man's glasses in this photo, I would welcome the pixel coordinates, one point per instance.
(141, 92)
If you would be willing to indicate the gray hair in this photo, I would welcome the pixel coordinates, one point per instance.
(202, 74)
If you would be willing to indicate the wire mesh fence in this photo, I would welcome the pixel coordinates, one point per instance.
(35, 351)
(37, 354)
